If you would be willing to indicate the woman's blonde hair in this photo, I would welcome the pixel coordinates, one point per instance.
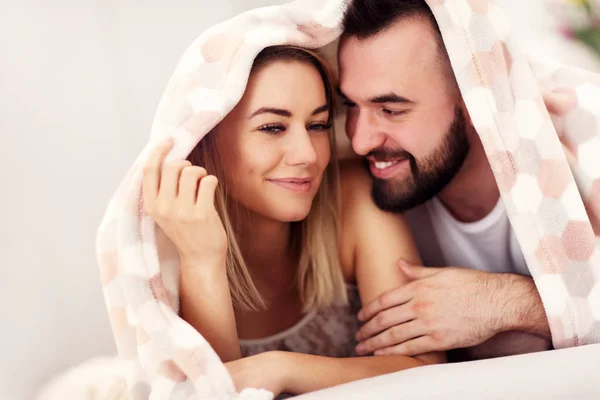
(319, 275)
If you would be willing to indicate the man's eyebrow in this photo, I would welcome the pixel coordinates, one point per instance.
(390, 98)
(341, 94)
(271, 110)
(384, 98)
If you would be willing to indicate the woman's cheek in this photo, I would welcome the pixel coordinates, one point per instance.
(324, 153)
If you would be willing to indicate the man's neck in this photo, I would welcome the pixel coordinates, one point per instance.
(473, 192)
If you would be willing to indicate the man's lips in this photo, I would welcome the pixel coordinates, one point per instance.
(296, 185)
(385, 169)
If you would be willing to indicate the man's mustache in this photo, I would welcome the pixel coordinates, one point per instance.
(390, 154)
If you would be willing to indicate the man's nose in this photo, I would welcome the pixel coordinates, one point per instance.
(364, 133)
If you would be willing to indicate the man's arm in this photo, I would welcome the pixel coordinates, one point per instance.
(522, 305)
(450, 308)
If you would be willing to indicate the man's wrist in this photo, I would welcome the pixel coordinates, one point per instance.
(519, 306)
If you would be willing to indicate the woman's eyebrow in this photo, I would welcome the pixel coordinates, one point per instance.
(286, 113)
(321, 109)
(270, 110)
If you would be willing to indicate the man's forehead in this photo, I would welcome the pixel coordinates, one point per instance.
(398, 56)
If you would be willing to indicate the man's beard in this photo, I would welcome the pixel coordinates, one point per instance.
(428, 177)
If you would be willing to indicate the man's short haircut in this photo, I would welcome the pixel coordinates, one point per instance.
(366, 18)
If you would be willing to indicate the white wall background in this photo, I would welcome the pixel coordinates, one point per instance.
(79, 84)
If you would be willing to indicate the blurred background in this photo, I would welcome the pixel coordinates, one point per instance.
(79, 84)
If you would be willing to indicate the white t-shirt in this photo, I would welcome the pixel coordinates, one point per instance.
(488, 244)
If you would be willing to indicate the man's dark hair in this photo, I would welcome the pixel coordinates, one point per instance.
(366, 18)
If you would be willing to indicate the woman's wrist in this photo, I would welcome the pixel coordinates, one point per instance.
(192, 263)
(283, 367)
(195, 278)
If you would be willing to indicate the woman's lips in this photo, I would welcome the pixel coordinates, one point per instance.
(294, 185)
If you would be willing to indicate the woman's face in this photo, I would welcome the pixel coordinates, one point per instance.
(275, 143)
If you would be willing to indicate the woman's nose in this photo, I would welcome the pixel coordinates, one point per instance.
(301, 149)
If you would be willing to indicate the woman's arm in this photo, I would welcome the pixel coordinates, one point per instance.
(180, 199)
(206, 305)
(297, 373)
(372, 241)
(307, 373)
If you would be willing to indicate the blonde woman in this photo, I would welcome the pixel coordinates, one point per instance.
(275, 257)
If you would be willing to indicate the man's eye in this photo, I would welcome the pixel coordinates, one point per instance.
(393, 112)
(348, 104)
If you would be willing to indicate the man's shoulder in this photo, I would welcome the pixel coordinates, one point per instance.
(423, 231)
(419, 216)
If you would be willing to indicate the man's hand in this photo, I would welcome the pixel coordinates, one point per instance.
(448, 308)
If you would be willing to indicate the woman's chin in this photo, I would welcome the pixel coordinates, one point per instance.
(293, 215)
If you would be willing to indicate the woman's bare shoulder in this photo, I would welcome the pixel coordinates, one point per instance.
(368, 233)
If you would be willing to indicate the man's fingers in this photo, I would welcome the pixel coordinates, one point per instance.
(414, 272)
(153, 169)
(206, 193)
(386, 300)
(394, 336)
(411, 348)
(188, 184)
(384, 320)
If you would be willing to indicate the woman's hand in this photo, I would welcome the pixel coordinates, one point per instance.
(180, 198)
(262, 371)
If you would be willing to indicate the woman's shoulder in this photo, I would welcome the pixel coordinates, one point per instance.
(355, 181)
(357, 204)
(361, 222)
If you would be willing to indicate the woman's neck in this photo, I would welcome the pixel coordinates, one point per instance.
(266, 247)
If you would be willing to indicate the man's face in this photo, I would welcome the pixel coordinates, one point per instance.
(404, 112)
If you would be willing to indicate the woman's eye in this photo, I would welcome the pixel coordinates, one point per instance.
(319, 127)
(348, 103)
(272, 129)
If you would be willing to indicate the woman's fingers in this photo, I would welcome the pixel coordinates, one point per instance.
(177, 179)
(153, 169)
(206, 193)
(188, 184)
(169, 181)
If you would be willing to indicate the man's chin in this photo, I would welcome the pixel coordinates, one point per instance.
(393, 197)
(390, 200)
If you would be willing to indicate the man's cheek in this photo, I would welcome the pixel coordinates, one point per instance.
(350, 125)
